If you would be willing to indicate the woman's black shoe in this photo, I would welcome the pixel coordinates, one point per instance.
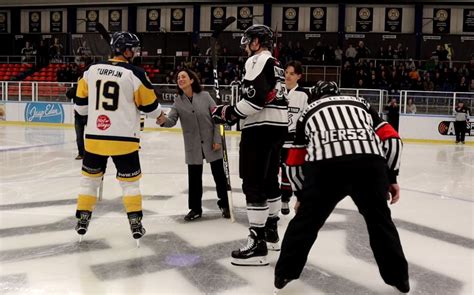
(225, 212)
(192, 215)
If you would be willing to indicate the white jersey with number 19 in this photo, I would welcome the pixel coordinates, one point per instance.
(115, 92)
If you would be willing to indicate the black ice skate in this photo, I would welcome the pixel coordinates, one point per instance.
(138, 231)
(403, 287)
(280, 283)
(255, 252)
(271, 234)
(83, 219)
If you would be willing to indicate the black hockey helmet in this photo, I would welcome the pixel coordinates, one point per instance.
(120, 41)
(324, 88)
(262, 32)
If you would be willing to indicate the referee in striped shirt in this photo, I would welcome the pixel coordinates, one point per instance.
(346, 149)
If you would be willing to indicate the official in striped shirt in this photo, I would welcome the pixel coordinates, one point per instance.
(346, 149)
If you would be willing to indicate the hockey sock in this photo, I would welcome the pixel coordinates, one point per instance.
(274, 207)
(257, 214)
(132, 198)
(88, 193)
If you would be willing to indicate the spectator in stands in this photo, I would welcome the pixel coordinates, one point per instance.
(42, 54)
(442, 53)
(195, 51)
(373, 82)
(338, 55)
(414, 75)
(83, 53)
(401, 53)
(393, 113)
(298, 52)
(362, 51)
(56, 51)
(411, 107)
(348, 76)
(428, 85)
(395, 82)
(382, 54)
(462, 86)
(438, 81)
(391, 52)
(461, 113)
(28, 52)
(329, 56)
(418, 85)
(351, 53)
(317, 52)
(384, 84)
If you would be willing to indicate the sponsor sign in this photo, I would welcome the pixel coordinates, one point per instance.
(447, 128)
(44, 112)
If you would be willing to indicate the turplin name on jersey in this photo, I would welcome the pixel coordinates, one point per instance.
(115, 92)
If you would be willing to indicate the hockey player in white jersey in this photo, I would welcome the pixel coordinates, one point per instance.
(113, 93)
(297, 98)
(264, 121)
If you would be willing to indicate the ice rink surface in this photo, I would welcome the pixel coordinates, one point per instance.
(40, 253)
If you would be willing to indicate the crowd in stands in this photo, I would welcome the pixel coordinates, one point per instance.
(392, 71)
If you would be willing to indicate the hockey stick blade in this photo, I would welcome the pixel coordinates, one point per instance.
(103, 32)
(223, 26)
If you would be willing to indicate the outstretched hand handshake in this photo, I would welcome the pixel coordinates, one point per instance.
(161, 119)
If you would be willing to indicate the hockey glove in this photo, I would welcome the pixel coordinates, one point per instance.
(224, 114)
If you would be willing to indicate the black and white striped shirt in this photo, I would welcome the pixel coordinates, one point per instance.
(339, 126)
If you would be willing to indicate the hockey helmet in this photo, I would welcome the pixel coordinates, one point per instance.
(324, 88)
(122, 40)
(262, 32)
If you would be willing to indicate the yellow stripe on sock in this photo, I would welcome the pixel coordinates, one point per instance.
(86, 203)
(132, 203)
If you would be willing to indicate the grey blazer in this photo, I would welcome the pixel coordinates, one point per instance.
(199, 131)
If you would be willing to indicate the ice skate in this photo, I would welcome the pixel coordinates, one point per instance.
(271, 234)
(83, 219)
(254, 253)
(136, 226)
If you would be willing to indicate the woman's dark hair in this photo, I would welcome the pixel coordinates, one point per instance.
(296, 65)
(196, 86)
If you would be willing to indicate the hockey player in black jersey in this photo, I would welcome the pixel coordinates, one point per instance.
(264, 121)
(346, 149)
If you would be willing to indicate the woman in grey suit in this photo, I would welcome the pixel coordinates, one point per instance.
(201, 140)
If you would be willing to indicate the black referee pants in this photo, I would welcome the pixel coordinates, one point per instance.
(365, 180)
